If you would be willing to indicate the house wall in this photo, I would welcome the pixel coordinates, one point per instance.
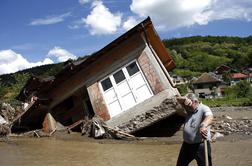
(130, 49)
(98, 101)
(150, 68)
(207, 91)
(98, 69)
(153, 71)
(69, 110)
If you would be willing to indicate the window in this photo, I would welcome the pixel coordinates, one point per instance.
(119, 76)
(132, 68)
(106, 84)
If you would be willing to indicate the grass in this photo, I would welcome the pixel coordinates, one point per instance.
(226, 101)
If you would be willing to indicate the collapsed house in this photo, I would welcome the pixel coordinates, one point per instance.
(126, 84)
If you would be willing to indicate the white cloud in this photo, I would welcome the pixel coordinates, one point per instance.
(101, 21)
(83, 2)
(11, 62)
(230, 9)
(170, 14)
(130, 23)
(60, 54)
(50, 19)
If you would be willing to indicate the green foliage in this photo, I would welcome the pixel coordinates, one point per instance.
(11, 84)
(3, 90)
(236, 95)
(186, 73)
(20, 81)
(240, 90)
(182, 89)
(217, 102)
(226, 76)
(204, 54)
(243, 89)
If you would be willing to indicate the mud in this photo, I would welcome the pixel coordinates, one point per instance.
(76, 150)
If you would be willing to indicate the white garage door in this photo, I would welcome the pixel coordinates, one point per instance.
(125, 88)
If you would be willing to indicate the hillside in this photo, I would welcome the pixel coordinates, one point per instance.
(11, 84)
(192, 56)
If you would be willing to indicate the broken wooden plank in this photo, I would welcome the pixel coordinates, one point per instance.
(75, 124)
(25, 110)
(118, 131)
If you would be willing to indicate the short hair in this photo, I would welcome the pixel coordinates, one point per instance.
(192, 97)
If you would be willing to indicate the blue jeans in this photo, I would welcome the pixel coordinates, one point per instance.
(189, 152)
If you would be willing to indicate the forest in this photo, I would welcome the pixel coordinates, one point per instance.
(197, 54)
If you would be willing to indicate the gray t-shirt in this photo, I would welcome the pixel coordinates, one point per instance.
(193, 120)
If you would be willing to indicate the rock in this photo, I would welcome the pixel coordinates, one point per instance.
(218, 135)
(228, 117)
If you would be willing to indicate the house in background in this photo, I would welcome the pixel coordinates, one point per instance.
(222, 69)
(237, 77)
(119, 82)
(208, 85)
(178, 80)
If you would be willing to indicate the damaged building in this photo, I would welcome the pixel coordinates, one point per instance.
(126, 84)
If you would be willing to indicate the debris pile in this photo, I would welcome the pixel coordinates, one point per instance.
(96, 128)
(227, 125)
(8, 112)
(4, 130)
(230, 126)
(168, 107)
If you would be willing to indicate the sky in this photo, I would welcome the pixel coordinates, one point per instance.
(38, 32)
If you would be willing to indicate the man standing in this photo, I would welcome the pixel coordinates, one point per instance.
(196, 128)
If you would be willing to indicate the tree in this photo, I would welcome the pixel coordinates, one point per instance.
(3, 90)
(227, 77)
(20, 81)
(241, 89)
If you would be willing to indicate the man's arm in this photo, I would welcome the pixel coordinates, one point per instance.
(208, 120)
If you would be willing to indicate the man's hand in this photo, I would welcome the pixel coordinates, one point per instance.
(203, 131)
(185, 102)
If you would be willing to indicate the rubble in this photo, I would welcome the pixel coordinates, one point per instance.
(227, 125)
(9, 113)
(4, 130)
(167, 108)
(233, 126)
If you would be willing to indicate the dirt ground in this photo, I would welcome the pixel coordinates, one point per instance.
(76, 150)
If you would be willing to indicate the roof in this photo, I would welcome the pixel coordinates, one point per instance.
(145, 27)
(33, 85)
(206, 78)
(239, 76)
(222, 68)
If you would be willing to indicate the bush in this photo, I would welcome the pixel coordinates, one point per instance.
(240, 90)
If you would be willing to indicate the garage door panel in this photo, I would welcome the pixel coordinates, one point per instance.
(143, 93)
(110, 95)
(123, 88)
(115, 108)
(128, 101)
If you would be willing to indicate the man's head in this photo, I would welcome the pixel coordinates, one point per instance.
(191, 101)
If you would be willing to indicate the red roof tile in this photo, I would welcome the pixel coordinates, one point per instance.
(239, 75)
